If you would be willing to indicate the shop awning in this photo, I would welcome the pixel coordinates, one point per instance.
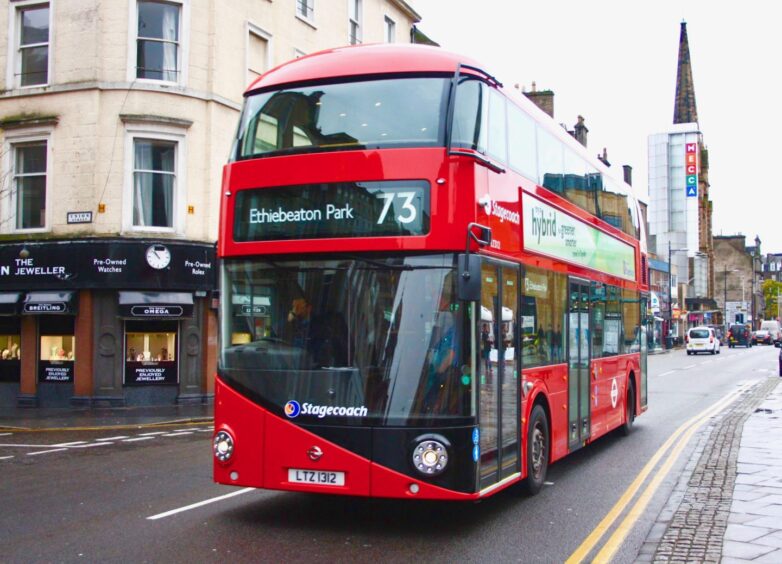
(155, 305)
(46, 303)
(9, 303)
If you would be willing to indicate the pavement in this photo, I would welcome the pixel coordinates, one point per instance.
(726, 506)
(85, 419)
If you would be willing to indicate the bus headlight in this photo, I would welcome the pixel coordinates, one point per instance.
(430, 456)
(223, 445)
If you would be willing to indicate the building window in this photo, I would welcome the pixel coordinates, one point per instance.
(390, 26)
(30, 184)
(258, 52)
(151, 353)
(305, 9)
(154, 182)
(158, 53)
(354, 21)
(31, 65)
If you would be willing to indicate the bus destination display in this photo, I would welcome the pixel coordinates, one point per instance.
(317, 211)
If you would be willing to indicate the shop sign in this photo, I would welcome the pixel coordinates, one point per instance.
(53, 307)
(55, 371)
(149, 372)
(120, 264)
(156, 311)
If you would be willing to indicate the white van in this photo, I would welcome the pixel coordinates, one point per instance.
(702, 339)
(772, 326)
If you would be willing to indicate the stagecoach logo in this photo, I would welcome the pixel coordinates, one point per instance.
(500, 211)
(293, 409)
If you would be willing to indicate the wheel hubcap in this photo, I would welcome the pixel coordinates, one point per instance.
(538, 451)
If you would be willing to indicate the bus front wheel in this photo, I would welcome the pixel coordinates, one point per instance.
(627, 426)
(537, 450)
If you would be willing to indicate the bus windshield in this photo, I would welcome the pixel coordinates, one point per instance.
(369, 338)
(398, 112)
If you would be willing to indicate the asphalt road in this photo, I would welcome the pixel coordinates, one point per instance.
(91, 501)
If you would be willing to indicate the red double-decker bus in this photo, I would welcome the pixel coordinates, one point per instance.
(428, 289)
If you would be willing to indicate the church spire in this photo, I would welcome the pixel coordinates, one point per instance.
(684, 110)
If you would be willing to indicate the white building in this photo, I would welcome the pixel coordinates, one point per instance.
(674, 217)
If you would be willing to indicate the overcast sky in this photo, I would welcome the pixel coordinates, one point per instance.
(614, 62)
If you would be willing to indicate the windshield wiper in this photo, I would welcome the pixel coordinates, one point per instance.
(380, 264)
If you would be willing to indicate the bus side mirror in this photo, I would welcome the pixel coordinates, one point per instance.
(468, 284)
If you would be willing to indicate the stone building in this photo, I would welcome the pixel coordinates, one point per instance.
(738, 279)
(116, 117)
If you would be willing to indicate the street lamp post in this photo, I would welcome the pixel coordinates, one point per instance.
(725, 298)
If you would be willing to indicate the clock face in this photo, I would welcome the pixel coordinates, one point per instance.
(158, 256)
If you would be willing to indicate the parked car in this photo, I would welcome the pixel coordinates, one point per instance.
(762, 337)
(773, 328)
(702, 339)
(739, 336)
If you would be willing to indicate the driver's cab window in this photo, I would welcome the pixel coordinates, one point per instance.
(470, 116)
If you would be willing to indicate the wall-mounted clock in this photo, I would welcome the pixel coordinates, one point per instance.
(158, 256)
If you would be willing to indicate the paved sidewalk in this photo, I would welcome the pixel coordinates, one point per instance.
(69, 418)
(727, 505)
(754, 531)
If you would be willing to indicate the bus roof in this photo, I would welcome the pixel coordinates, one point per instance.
(362, 60)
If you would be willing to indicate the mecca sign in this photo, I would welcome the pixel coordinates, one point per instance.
(691, 169)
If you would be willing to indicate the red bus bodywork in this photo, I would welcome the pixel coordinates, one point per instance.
(265, 444)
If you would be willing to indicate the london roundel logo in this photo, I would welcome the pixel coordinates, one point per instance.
(292, 409)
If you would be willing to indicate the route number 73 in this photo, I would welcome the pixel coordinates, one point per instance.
(408, 208)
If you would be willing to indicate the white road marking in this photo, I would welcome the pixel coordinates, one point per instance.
(5, 434)
(666, 373)
(75, 443)
(150, 434)
(688, 367)
(93, 445)
(191, 429)
(113, 438)
(137, 439)
(178, 434)
(25, 446)
(5, 457)
(199, 504)
(46, 451)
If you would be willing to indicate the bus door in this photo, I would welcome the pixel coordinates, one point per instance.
(498, 390)
(647, 328)
(578, 343)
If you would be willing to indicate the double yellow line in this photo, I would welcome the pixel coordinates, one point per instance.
(679, 440)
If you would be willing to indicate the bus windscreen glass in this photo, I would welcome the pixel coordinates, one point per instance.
(398, 112)
(383, 339)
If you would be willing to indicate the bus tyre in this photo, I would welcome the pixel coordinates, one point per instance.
(538, 445)
(627, 426)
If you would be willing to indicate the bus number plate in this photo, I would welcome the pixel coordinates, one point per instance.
(316, 477)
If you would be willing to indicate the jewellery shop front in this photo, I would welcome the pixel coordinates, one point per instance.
(107, 322)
